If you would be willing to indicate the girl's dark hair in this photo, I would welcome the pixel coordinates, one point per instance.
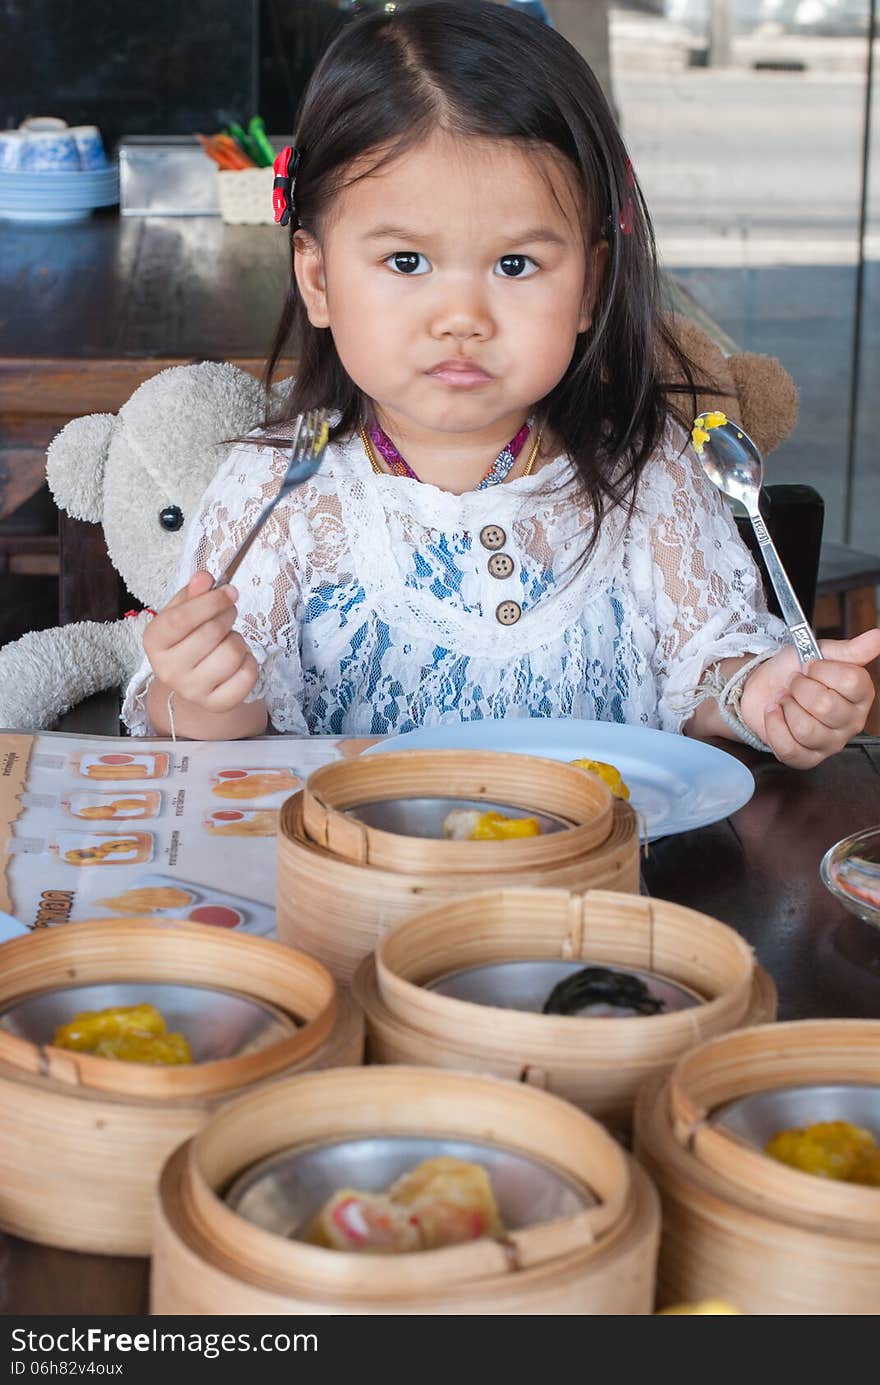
(479, 69)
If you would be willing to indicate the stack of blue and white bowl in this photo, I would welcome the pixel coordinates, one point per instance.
(53, 172)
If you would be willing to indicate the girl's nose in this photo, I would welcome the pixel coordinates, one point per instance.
(462, 316)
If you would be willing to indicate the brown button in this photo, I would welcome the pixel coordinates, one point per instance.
(500, 565)
(493, 536)
(508, 613)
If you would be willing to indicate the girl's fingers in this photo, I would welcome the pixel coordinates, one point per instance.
(226, 681)
(849, 681)
(778, 735)
(810, 733)
(821, 701)
(197, 684)
(859, 650)
(180, 618)
(223, 664)
(199, 583)
(234, 689)
(203, 641)
(825, 703)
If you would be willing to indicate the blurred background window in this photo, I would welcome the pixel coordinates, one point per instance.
(746, 120)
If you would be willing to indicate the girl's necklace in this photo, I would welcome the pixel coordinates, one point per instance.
(375, 439)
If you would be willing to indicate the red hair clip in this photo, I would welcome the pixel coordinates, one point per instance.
(285, 166)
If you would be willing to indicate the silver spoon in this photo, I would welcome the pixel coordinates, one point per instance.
(733, 463)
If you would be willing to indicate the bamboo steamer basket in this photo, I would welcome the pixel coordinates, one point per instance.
(597, 1064)
(738, 1224)
(82, 1139)
(343, 884)
(523, 781)
(209, 1260)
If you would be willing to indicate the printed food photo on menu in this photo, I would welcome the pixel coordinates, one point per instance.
(242, 822)
(148, 899)
(194, 903)
(254, 783)
(112, 806)
(102, 849)
(122, 766)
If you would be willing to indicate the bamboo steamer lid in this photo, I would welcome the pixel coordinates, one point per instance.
(738, 1224)
(82, 1139)
(337, 910)
(208, 1259)
(597, 1064)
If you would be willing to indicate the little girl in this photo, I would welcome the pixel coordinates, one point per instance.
(509, 521)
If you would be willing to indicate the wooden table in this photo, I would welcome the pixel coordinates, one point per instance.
(91, 310)
(758, 871)
(87, 313)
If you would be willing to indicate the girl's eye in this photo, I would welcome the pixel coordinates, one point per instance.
(408, 262)
(516, 266)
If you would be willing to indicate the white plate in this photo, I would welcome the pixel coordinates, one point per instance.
(675, 783)
(10, 182)
(57, 196)
(51, 198)
(59, 218)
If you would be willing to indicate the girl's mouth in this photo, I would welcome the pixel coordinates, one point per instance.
(460, 374)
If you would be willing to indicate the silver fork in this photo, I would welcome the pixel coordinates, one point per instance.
(307, 450)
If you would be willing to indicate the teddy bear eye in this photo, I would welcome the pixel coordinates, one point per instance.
(171, 518)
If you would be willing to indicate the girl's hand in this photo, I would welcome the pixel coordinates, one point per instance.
(195, 652)
(807, 712)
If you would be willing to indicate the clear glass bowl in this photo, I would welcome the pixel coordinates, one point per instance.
(851, 871)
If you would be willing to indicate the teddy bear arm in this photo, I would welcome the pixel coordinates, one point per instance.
(45, 673)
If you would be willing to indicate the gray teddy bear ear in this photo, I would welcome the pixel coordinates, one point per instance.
(75, 466)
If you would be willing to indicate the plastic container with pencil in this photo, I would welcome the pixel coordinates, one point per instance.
(244, 190)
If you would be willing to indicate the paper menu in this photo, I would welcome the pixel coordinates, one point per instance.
(95, 826)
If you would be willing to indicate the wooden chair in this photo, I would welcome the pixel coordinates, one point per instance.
(836, 585)
(795, 517)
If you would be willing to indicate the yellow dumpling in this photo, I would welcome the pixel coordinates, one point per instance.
(609, 774)
(470, 825)
(829, 1149)
(128, 1033)
(167, 1049)
(450, 1200)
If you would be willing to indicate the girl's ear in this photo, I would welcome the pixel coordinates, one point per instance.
(597, 260)
(308, 266)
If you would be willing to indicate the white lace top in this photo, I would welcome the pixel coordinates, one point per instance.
(372, 602)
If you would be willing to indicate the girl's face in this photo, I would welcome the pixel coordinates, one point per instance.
(454, 281)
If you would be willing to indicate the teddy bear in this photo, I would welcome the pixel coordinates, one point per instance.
(756, 391)
(141, 473)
